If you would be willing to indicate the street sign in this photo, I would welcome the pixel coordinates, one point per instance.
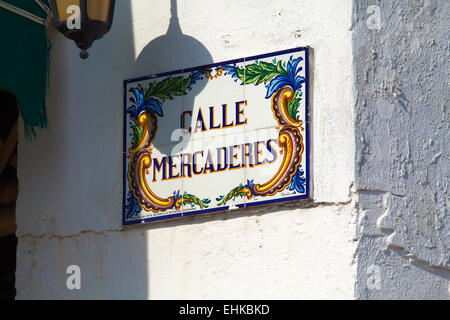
(212, 138)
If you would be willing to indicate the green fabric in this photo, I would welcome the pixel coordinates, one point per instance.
(24, 63)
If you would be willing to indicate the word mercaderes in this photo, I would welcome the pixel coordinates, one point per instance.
(210, 161)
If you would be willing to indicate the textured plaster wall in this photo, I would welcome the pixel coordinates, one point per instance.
(70, 177)
(283, 253)
(402, 150)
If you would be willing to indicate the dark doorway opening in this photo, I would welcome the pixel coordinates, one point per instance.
(8, 193)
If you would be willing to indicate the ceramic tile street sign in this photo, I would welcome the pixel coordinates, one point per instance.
(217, 137)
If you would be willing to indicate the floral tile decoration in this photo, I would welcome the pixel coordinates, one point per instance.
(217, 137)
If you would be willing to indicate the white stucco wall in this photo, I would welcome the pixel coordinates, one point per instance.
(70, 177)
(402, 150)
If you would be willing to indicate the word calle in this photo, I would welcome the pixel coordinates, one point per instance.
(208, 122)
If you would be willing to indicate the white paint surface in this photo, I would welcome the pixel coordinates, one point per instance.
(70, 178)
(279, 255)
(402, 149)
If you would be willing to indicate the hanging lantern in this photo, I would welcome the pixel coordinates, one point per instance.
(83, 21)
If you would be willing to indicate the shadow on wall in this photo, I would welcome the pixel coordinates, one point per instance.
(71, 178)
(83, 187)
(172, 51)
(169, 52)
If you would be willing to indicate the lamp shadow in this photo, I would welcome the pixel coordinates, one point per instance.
(172, 51)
